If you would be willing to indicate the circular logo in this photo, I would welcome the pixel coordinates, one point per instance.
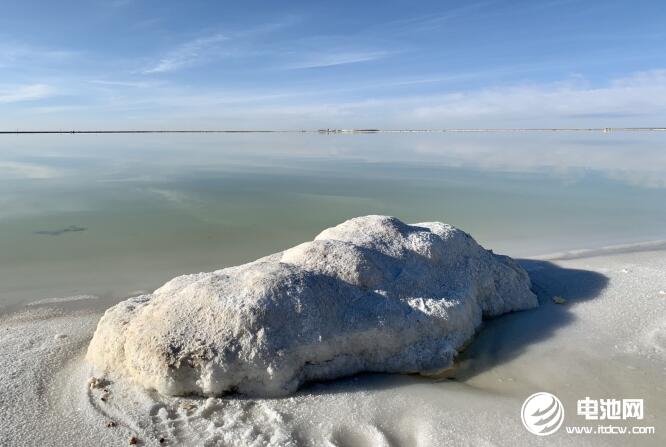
(542, 414)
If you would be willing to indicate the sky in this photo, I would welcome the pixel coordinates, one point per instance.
(162, 64)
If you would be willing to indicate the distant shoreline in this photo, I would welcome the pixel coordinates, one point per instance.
(345, 131)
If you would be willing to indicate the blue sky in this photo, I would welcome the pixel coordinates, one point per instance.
(303, 64)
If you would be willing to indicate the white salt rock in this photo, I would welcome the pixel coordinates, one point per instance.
(314, 312)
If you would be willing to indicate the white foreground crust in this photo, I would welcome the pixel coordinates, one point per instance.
(371, 294)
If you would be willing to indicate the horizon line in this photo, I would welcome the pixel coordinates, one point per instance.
(330, 131)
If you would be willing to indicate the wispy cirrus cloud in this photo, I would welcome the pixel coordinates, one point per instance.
(188, 54)
(18, 54)
(21, 93)
(326, 59)
(210, 47)
(426, 22)
(130, 84)
(567, 103)
(632, 100)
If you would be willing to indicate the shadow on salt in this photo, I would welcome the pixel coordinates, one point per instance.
(500, 339)
(505, 338)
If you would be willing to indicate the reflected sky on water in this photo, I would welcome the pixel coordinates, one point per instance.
(113, 214)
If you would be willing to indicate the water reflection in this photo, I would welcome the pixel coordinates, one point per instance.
(153, 206)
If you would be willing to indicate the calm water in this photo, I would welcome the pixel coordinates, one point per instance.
(111, 214)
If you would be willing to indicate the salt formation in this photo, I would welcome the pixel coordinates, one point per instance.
(371, 294)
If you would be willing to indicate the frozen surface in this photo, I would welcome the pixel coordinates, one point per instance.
(371, 294)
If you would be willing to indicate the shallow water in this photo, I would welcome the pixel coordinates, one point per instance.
(107, 215)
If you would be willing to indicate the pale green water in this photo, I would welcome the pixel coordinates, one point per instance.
(150, 207)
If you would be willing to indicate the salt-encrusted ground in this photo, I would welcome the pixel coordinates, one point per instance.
(607, 341)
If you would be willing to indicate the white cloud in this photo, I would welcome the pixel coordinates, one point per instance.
(14, 54)
(327, 59)
(131, 84)
(22, 93)
(207, 47)
(187, 54)
(634, 101)
(639, 97)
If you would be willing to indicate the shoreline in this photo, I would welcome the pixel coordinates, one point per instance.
(605, 250)
(103, 301)
(343, 131)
